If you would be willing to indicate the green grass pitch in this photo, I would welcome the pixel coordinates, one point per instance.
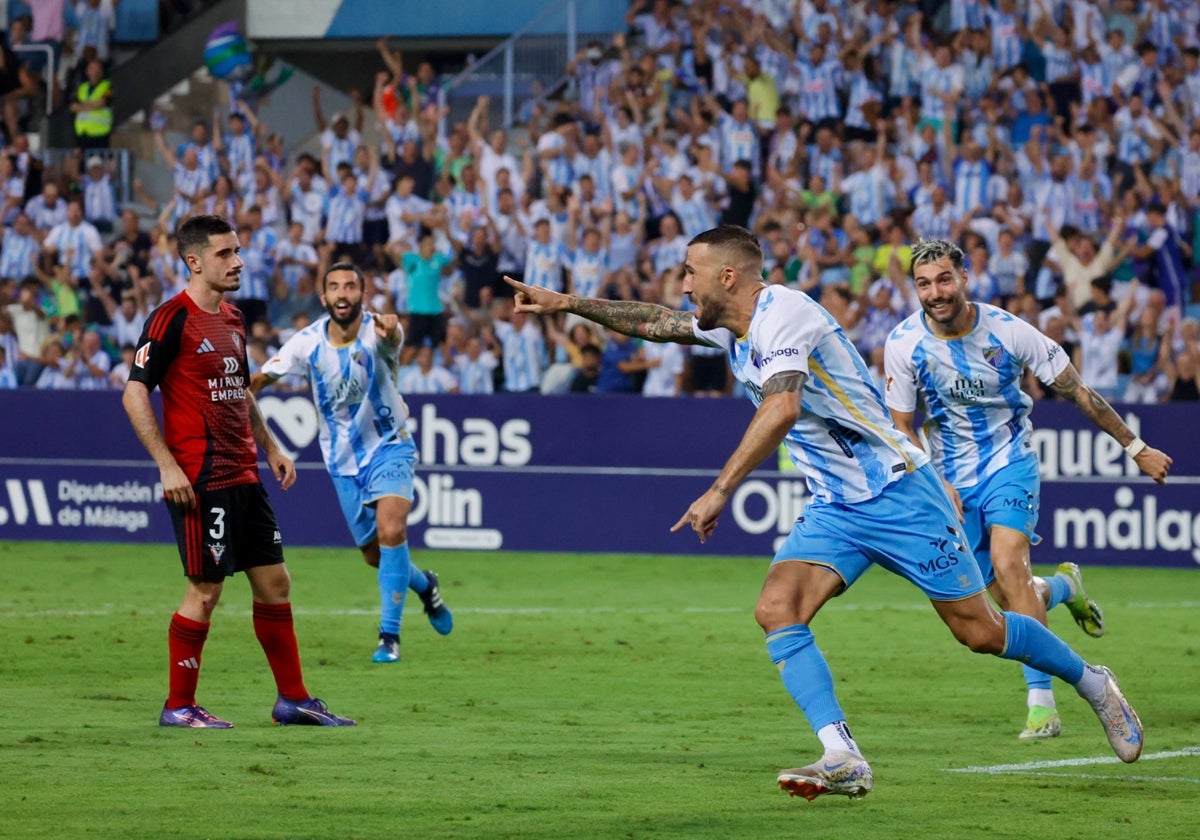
(579, 696)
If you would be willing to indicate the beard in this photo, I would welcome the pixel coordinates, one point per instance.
(351, 316)
(708, 314)
(954, 308)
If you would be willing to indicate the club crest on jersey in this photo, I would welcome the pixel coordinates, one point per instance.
(994, 356)
(237, 340)
(217, 550)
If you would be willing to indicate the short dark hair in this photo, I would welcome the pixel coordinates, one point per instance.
(344, 265)
(733, 239)
(194, 232)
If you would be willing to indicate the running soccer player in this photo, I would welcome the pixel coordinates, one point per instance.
(194, 349)
(349, 358)
(963, 361)
(876, 498)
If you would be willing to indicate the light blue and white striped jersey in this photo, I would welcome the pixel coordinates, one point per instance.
(970, 186)
(965, 14)
(598, 167)
(76, 246)
(1189, 173)
(189, 183)
(378, 189)
(626, 179)
(1095, 82)
(1006, 39)
(523, 352)
(544, 264)
(293, 271)
(44, 217)
(695, 216)
(438, 380)
(99, 199)
(970, 387)
(861, 92)
(1007, 270)
(978, 73)
(239, 151)
(824, 164)
(668, 254)
(587, 272)
(1053, 203)
(345, 215)
(1059, 62)
(935, 83)
(475, 375)
(1132, 147)
(905, 70)
(844, 441)
(358, 406)
(339, 149)
(259, 261)
(930, 223)
(866, 189)
(739, 141)
(557, 167)
(1090, 196)
(17, 256)
(819, 90)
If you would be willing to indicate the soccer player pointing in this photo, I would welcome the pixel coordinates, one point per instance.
(349, 359)
(964, 362)
(193, 348)
(876, 499)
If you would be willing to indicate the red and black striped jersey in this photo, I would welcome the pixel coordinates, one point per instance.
(198, 360)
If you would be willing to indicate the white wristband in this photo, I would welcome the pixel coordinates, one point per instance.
(1135, 447)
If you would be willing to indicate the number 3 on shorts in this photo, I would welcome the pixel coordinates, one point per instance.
(217, 531)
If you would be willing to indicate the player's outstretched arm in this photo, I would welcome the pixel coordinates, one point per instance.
(175, 484)
(281, 465)
(776, 415)
(640, 320)
(1151, 461)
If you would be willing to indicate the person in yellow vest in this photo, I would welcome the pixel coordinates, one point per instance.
(93, 109)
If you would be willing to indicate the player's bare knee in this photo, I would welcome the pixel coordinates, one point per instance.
(393, 535)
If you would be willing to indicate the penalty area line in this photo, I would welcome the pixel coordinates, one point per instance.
(1033, 767)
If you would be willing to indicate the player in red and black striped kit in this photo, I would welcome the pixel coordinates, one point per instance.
(193, 349)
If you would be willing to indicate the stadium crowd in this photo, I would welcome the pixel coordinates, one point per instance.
(1058, 141)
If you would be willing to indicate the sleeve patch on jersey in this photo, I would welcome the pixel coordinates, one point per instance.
(142, 356)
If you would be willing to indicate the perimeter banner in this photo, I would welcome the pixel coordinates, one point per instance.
(572, 473)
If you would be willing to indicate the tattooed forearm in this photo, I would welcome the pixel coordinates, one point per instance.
(791, 380)
(258, 426)
(642, 320)
(1095, 407)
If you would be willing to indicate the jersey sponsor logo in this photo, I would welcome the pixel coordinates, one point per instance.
(206, 346)
(779, 353)
(142, 355)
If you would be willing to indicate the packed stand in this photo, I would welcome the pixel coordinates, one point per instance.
(1057, 142)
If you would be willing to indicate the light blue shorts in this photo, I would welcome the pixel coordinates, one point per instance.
(390, 473)
(1010, 497)
(910, 529)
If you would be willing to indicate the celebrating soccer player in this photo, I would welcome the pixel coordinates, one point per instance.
(194, 349)
(964, 361)
(876, 498)
(349, 359)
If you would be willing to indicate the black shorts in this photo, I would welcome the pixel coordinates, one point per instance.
(375, 231)
(229, 530)
(422, 327)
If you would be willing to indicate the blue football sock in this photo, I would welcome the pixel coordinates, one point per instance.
(394, 564)
(417, 581)
(1028, 642)
(805, 674)
(1035, 678)
(1060, 590)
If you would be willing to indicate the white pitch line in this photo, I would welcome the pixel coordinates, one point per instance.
(1110, 778)
(518, 611)
(1070, 762)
